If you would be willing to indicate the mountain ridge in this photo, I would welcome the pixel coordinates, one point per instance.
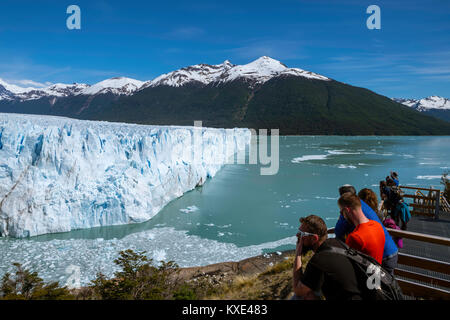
(257, 71)
(262, 94)
(436, 106)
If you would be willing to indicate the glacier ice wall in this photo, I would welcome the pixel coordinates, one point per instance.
(59, 174)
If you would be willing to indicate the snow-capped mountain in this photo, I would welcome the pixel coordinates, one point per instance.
(256, 72)
(55, 90)
(435, 106)
(117, 85)
(65, 90)
(264, 69)
(5, 94)
(14, 89)
(203, 73)
(426, 104)
(264, 93)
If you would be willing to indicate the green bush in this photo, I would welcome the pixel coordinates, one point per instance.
(138, 279)
(26, 285)
(185, 292)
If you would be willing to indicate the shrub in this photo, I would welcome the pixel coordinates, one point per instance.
(185, 292)
(138, 279)
(26, 285)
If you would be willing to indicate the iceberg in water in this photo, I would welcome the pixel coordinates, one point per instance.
(59, 174)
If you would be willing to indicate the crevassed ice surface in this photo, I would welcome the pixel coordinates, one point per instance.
(59, 174)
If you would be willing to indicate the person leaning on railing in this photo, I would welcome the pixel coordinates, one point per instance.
(343, 228)
(370, 197)
(368, 236)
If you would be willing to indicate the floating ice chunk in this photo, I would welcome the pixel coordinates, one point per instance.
(428, 177)
(189, 209)
(224, 226)
(344, 166)
(341, 152)
(310, 157)
(299, 200)
(326, 198)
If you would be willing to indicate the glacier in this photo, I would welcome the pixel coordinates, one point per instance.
(60, 174)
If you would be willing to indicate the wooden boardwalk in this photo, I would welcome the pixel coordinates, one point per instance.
(427, 225)
(430, 226)
(424, 260)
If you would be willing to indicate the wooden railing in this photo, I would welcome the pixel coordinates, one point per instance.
(445, 206)
(426, 201)
(427, 288)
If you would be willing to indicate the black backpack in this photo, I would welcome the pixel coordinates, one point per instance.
(375, 283)
(395, 195)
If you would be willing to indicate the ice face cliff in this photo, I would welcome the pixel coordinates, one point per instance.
(59, 174)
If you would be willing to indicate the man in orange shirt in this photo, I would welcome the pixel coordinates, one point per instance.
(368, 235)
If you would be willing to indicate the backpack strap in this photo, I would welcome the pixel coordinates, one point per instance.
(362, 262)
(351, 253)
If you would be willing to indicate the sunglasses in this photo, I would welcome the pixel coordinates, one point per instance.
(304, 233)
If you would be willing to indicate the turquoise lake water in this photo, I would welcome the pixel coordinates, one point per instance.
(240, 213)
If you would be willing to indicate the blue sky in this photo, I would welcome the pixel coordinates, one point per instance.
(408, 57)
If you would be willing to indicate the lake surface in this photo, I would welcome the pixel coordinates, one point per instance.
(240, 213)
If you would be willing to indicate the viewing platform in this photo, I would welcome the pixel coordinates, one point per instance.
(428, 237)
(424, 261)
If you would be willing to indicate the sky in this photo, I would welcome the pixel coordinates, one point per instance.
(408, 57)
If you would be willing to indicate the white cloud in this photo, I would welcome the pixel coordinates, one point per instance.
(29, 83)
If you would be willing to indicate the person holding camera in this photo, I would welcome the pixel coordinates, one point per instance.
(327, 274)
